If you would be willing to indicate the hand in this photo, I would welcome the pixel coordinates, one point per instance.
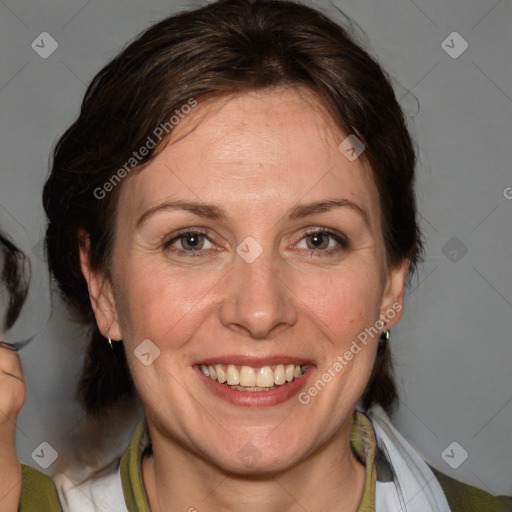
(12, 398)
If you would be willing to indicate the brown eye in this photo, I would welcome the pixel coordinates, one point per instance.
(192, 241)
(323, 241)
(188, 242)
(318, 240)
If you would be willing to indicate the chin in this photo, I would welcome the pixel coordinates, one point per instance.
(259, 457)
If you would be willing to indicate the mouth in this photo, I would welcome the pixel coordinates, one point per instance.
(255, 384)
(250, 379)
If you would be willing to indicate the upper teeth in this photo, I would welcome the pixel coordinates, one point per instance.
(248, 376)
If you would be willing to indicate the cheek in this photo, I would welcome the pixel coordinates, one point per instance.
(345, 309)
(157, 302)
(345, 304)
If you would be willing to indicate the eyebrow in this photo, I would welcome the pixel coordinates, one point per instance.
(214, 212)
(303, 210)
(200, 209)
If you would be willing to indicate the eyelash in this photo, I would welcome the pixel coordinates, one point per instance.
(338, 237)
(183, 252)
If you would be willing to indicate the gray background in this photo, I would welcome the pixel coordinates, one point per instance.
(453, 346)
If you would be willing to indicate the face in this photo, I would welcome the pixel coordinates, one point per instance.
(250, 246)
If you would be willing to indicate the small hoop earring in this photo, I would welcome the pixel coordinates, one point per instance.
(383, 340)
(109, 340)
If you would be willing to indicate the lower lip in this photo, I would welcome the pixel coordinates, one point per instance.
(276, 396)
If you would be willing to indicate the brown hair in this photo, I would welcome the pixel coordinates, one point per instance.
(15, 277)
(225, 47)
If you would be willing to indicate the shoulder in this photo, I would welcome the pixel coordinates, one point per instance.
(38, 492)
(466, 498)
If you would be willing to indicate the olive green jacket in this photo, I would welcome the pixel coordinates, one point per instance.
(39, 493)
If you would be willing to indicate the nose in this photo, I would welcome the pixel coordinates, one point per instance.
(259, 302)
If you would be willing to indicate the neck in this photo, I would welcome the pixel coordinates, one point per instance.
(330, 479)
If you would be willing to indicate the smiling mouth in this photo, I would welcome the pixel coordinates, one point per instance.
(249, 378)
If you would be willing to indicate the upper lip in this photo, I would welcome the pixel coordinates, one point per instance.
(258, 362)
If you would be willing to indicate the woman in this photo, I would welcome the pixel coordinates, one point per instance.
(233, 212)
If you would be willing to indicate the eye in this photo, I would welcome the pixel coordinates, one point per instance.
(189, 241)
(323, 241)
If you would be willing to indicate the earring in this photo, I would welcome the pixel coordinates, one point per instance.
(109, 340)
(383, 340)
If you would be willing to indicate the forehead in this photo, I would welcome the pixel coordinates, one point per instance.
(255, 151)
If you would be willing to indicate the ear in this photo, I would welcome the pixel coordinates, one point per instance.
(392, 302)
(100, 292)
